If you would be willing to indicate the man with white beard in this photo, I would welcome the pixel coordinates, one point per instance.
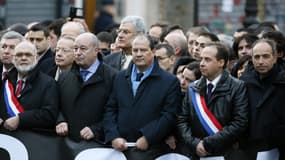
(29, 98)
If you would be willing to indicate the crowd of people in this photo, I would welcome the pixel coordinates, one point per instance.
(147, 92)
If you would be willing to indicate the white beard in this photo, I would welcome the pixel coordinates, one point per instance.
(24, 69)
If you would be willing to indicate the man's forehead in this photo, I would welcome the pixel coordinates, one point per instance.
(161, 52)
(24, 52)
(141, 40)
(262, 46)
(23, 47)
(35, 33)
(203, 39)
(209, 51)
(10, 40)
(127, 25)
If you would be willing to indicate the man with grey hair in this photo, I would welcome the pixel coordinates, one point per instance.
(34, 94)
(266, 89)
(129, 28)
(178, 42)
(84, 91)
(8, 42)
(29, 103)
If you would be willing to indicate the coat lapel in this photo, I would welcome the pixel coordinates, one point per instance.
(265, 96)
(96, 77)
(28, 87)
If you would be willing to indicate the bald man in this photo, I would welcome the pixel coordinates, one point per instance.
(84, 92)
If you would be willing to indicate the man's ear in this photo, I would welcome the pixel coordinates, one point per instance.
(275, 58)
(221, 63)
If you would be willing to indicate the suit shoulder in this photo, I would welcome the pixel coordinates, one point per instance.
(168, 75)
(111, 56)
(236, 82)
(109, 69)
(45, 77)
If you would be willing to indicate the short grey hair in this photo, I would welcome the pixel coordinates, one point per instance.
(137, 21)
(270, 42)
(27, 43)
(13, 35)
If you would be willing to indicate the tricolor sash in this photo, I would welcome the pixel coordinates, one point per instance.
(12, 104)
(206, 117)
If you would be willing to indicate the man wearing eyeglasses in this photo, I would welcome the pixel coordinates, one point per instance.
(129, 28)
(165, 56)
(64, 56)
(29, 98)
(84, 90)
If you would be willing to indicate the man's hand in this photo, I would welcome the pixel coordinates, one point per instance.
(171, 142)
(119, 144)
(86, 133)
(200, 150)
(62, 129)
(142, 143)
(12, 123)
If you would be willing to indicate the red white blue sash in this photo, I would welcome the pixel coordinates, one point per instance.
(206, 117)
(12, 104)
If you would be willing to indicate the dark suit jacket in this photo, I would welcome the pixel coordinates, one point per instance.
(115, 60)
(229, 105)
(151, 113)
(266, 102)
(82, 104)
(39, 99)
(1, 70)
(46, 62)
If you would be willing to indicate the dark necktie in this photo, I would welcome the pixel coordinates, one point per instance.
(84, 74)
(19, 87)
(209, 91)
(139, 76)
(5, 75)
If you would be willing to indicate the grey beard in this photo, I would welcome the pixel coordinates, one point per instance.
(25, 69)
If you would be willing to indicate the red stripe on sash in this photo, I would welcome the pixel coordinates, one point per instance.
(210, 115)
(14, 99)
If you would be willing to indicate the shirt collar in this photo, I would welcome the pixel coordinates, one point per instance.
(6, 70)
(215, 81)
(24, 79)
(93, 68)
(146, 73)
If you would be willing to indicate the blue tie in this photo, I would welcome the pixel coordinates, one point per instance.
(210, 86)
(139, 76)
(84, 74)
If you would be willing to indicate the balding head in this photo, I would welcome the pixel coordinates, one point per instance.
(72, 29)
(86, 49)
(178, 42)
